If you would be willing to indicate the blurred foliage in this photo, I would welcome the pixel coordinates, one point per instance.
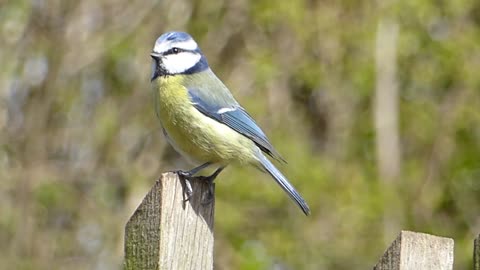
(80, 144)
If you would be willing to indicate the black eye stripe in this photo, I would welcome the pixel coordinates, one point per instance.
(174, 50)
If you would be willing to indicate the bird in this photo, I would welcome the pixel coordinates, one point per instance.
(202, 120)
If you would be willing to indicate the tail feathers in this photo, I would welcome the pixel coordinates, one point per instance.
(283, 182)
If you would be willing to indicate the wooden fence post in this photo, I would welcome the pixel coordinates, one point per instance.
(167, 233)
(476, 253)
(414, 251)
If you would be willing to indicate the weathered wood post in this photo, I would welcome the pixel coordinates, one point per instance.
(165, 232)
(476, 253)
(415, 251)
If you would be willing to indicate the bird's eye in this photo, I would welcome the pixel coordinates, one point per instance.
(175, 50)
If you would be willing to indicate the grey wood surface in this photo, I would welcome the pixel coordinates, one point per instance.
(165, 232)
(418, 251)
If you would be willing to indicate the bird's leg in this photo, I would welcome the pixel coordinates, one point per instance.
(210, 180)
(189, 175)
(192, 172)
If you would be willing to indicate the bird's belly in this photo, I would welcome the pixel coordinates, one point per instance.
(202, 139)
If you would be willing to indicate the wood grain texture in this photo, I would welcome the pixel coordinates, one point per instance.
(476, 253)
(167, 233)
(418, 251)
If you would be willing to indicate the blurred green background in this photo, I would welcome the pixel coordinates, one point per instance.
(375, 105)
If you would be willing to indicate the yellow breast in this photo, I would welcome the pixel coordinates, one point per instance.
(196, 136)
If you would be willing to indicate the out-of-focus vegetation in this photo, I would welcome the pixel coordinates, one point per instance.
(80, 144)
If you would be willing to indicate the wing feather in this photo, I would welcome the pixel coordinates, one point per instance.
(234, 116)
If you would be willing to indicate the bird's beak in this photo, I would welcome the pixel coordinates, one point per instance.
(155, 55)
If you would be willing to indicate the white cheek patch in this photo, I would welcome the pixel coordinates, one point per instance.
(178, 63)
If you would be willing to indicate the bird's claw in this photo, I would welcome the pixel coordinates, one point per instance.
(187, 176)
(184, 174)
(188, 190)
(210, 192)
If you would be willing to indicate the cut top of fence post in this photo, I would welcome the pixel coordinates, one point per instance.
(418, 251)
(165, 232)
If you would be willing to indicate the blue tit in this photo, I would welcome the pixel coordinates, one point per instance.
(201, 119)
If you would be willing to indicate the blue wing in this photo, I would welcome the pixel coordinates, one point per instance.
(234, 116)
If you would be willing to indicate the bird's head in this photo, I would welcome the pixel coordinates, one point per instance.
(176, 53)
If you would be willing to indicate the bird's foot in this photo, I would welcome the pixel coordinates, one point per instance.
(211, 185)
(210, 192)
(186, 176)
